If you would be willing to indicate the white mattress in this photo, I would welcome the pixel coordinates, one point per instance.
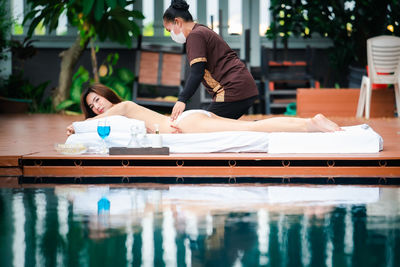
(354, 139)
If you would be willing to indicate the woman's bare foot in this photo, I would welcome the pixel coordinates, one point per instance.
(319, 123)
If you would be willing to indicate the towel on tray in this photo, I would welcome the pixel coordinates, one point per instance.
(354, 139)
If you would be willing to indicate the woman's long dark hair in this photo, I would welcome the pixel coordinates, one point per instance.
(101, 90)
(178, 9)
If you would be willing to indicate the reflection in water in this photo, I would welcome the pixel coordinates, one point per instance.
(62, 213)
(263, 233)
(40, 226)
(305, 244)
(19, 244)
(201, 225)
(169, 236)
(147, 239)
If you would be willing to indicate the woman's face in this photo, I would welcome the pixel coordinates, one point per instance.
(175, 25)
(97, 103)
(168, 25)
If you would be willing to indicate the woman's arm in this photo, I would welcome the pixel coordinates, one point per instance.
(122, 109)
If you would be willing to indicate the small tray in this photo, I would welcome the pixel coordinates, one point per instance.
(70, 149)
(139, 151)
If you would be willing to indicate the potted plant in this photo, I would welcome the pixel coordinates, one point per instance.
(18, 94)
(347, 23)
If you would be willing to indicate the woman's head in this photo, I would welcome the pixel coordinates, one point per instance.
(174, 18)
(96, 99)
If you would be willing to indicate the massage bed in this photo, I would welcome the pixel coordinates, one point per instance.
(353, 139)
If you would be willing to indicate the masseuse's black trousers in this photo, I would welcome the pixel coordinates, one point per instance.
(232, 110)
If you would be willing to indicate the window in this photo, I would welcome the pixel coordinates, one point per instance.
(17, 7)
(264, 16)
(235, 26)
(148, 21)
(62, 27)
(212, 15)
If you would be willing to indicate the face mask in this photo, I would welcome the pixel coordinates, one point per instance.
(179, 38)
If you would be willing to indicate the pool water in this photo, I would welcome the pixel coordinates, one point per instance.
(200, 225)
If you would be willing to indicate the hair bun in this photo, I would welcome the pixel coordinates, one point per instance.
(180, 4)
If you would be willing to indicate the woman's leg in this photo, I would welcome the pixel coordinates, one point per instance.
(319, 123)
(200, 123)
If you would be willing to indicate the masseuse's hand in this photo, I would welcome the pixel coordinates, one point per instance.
(70, 130)
(175, 128)
(177, 110)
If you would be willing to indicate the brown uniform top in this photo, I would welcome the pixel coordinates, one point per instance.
(226, 76)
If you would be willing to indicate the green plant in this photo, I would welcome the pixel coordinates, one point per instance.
(16, 86)
(347, 23)
(119, 79)
(102, 19)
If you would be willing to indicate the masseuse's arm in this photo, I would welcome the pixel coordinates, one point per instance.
(192, 83)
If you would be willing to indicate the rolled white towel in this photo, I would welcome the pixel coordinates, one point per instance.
(118, 124)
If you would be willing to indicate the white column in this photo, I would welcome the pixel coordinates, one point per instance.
(255, 40)
(148, 239)
(305, 242)
(209, 224)
(129, 242)
(191, 227)
(158, 21)
(224, 7)
(329, 243)
(168, 239)
(202, 12)
(40, 226)
(246, 25)
(26, 10)
(63, 229)
(19, 245)
(263, 231)
(188, 252)
(283, 237)
(348, 235)
(138, 5)
(251, 20)
(5, 65)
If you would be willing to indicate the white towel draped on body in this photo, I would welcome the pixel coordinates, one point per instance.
(354, 139)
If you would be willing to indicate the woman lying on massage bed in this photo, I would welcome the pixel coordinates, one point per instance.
(99, 101)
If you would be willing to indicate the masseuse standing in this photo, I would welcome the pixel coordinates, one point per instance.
(212, 62)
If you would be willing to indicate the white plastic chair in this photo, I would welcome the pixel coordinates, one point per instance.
(384, 68)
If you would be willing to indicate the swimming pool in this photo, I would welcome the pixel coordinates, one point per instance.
(200, 225)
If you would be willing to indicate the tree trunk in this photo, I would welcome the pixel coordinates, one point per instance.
(69, 58)
(94, 63)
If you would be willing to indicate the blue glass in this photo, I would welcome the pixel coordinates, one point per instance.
(103, 131)
(103, 205)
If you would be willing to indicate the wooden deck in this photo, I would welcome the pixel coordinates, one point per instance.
(27, 150)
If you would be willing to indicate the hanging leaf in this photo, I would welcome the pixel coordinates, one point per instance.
(98, 10)
(111, 3)
(121, 3)
(125, 75)
(87, 6)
